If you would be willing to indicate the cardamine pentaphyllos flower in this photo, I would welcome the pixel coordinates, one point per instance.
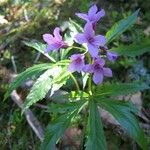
(112, 56)
(98, 70)
(93, 42)
(93, 15)
(54, 42)
(77, 63)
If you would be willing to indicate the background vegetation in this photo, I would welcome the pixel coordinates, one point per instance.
(25, 20)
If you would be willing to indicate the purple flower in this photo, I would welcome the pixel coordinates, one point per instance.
(54, 42)
(93, 15)
(98, 70)
(93, 42)
(77, 63)
(112, 56)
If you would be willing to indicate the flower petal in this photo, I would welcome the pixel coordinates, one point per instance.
(48, 38)
(93, 50)
(72, 67)
(112, 56)
(82, 16)
(80, 38)
(92, 11)
(52, 47)
(98, 77)
(99, 40)
(99, 61)
(88, 30)
(88, 68)
(57, 34)
(107, 72)
(100, 14)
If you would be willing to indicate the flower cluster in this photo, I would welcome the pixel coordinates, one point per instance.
(95, 45)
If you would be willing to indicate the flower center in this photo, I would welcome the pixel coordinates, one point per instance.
(90, 39)
(97, 67)
(78, 60)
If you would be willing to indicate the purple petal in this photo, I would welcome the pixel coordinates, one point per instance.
(99, 61)
(112, 56)
(107, 72)
(80, 38)
(88, 30)
(72, 67)
(52, 47)
(48, 38)
(57, 33)
(75, 56)
(82, 16)
(98, 77)
(92, 11)
(88, 68)
(93, 50)
(100, 14)
(75, 67)
(99, 40)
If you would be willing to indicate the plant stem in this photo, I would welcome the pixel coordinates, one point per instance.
(75, 81)
(90, 77)
(76, 47)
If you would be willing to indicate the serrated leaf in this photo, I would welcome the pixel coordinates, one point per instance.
(116, 89)
(24, 75)
(57, 128)
(96, 138)
(66, 107)
(51, 79)
(122, 111)
(39, 47)
(133, 49)
(121, 26)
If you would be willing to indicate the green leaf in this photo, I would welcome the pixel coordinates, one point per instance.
(75, 25)
(134, 49)
(26, 74)
(66, 107)
(122, 111)
(96, 138)
(55, 130)
(72, 96)
(116, 89)
(39, 47)
(121, 26)
(51, 79)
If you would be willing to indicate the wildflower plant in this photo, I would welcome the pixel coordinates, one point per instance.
(89, 63)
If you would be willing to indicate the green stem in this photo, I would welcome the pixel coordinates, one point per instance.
(80, 48)
(75, 81)
(90, 77)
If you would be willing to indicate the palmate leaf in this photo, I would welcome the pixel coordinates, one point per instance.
(121, 26)
(26, 74)
(123, 113)
(57, 128)
(96, 138)
(116, 89)
(39, 47)
(66, 107)
(44, 83)
(134, 49)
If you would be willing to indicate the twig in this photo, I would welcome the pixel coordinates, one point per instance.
(31, 119)
(14, 64)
